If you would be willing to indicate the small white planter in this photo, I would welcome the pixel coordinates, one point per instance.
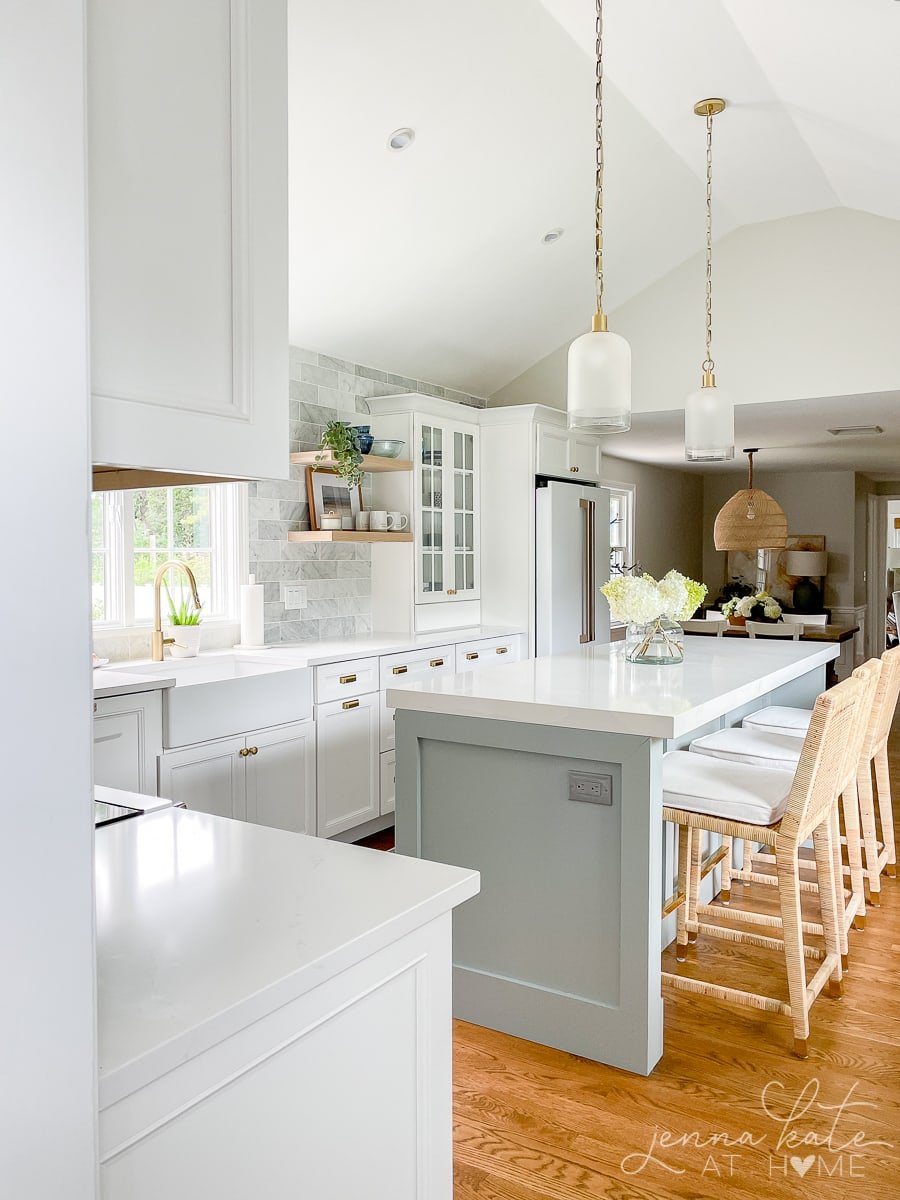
(186, 643)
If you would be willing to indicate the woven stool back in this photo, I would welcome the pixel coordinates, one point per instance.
(885, 703)
(835, 734)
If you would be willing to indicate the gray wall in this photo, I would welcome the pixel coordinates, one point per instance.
(338, 577)
(668, 515)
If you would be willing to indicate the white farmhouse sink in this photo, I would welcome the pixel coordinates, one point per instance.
(219, 695)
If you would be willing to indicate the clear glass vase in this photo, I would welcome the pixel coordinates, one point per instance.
(660, 642)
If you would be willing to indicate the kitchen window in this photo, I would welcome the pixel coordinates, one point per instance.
(621, 527)
(134, 532)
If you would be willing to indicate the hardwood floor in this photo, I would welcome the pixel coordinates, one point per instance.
(728, 1112)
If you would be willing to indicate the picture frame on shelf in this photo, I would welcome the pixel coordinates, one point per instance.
(326, 492)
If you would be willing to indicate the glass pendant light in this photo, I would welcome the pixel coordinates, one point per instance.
(708, 413)
(599, 369)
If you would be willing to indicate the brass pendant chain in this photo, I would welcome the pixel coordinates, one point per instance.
(598, 214)
(709, 365)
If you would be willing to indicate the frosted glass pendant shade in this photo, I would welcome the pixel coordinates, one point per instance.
(708, 426)
(599, 390)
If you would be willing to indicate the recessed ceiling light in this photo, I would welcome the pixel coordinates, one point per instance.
(856, 431)
(551, 236)
(401, 138)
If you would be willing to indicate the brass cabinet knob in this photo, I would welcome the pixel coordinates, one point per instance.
(243, 752)
(451, 591)
(573, 468)
(253, 750)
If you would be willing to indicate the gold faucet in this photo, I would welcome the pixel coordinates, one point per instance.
(157, 641)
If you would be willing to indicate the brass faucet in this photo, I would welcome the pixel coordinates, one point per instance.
(157, 641)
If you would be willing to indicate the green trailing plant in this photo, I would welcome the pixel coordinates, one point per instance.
(342, 440)
(184, 612)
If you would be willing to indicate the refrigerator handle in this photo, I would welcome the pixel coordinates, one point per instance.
(588, 573)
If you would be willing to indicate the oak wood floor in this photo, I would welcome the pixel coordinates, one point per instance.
(728, 1112)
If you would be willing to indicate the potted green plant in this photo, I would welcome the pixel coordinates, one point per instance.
(342, 440)
(183, 627)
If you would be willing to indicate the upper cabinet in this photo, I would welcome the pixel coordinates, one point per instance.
(187, 111)
(446, 516)
(566, 454)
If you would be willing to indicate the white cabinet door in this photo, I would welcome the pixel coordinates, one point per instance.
(207, 778)
(553, 450)
(447, 510)
(585, 457)
(388, 781)
(281, 777)
(127, 741)
(187, 125)
(347, 763)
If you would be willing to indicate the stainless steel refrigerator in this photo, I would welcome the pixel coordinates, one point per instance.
(572, 564)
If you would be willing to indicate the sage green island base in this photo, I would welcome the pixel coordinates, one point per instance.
(562, 946)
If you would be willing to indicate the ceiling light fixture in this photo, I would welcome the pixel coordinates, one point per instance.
(599, 365)
(401, 138)
(751, 519)
(708, 414)
(551, 236)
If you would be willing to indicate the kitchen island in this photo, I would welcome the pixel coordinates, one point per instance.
(273, 1014)
(546, 776)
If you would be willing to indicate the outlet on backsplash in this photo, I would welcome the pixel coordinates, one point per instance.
(294, 596)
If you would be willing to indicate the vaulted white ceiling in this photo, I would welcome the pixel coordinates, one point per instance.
(429, 262)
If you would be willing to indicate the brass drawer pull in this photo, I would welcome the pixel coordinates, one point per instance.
(350, 704)
(502, 650)
(473, 654)
(348, 679)
(436, 662)
(400, 670)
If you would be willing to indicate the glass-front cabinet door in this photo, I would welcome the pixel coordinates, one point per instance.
(447, 466)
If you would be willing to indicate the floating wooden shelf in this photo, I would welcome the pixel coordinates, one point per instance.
(347, 535)
(370, 463)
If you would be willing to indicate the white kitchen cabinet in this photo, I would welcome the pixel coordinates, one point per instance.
(447, 510)
(388, 781)
(127, 741)
(208, 778)
(486, 652)
(187, 160)
(563, 453)
(347, 763)
(281, 778)
(397, 669)
(266, 776)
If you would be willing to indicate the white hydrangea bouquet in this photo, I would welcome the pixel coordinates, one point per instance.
(759, 606)
(652, 609)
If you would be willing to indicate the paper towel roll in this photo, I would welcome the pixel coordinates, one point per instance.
(252, 625)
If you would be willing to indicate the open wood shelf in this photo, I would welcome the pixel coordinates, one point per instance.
(370, 463)
(347, 535)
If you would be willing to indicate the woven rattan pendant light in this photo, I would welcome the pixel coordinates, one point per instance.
(751, 520)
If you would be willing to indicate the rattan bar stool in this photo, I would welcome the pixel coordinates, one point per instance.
(875, 804)
(778, 751)
(782, 811)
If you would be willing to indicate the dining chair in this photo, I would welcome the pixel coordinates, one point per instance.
(774, 629)
(782, 810)
(708, 628)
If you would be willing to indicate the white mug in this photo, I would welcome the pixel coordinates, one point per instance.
(362, 521)
(398, 520)
(330, 520)
(346, 521)
(379, 520)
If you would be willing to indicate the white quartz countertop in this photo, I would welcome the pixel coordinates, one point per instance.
(596, 688)
(367, 645)
(109, 681)
(205, 924)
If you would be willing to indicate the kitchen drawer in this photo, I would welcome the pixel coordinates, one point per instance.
(488, 650)
(336, 681)
(397, 669)
(388, 781)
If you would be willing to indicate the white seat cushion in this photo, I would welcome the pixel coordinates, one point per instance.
(755, 747)
(733, 791)
(774, 719)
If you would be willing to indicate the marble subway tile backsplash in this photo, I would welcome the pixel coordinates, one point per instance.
(337, 577)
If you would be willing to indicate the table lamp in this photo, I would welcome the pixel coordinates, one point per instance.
(807, 565)
(893, 558)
